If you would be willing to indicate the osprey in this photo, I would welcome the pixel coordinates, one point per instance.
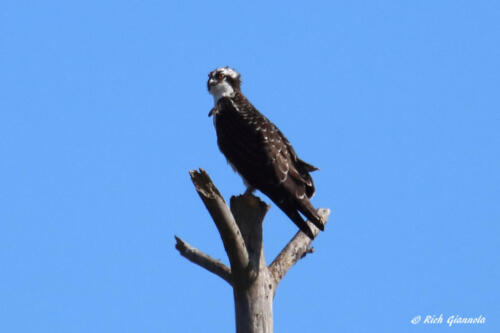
(259, 152)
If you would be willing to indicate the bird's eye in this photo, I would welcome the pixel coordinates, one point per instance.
(220, 76)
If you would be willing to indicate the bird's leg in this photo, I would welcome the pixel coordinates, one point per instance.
(249, 190)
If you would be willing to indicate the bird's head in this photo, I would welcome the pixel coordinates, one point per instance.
(223, 82)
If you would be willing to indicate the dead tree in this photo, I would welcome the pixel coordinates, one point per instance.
(240, 228)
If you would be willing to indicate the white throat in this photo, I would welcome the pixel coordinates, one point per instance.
(222, 89)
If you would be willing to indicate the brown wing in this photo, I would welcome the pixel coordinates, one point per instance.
(286, 162)
(265, 159)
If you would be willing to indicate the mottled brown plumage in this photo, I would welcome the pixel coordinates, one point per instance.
(260, 152)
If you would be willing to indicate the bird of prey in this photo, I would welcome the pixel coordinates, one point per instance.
(259, 152)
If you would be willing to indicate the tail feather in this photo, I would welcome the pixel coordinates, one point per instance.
(294, 215)
(308, 210)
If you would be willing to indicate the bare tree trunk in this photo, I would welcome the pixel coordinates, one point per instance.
(254, 305)
(254, 289)
(254, 283)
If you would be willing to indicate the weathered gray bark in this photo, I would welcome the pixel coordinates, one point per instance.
(254, 289)
(240, 227)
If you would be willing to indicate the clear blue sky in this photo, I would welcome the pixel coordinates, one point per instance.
(103, 111)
